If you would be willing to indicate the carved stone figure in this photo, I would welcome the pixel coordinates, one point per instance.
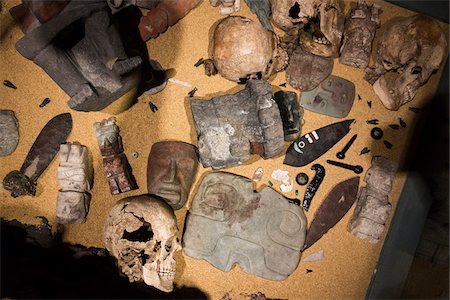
(9, 132)
(372, 206)
(75, 43)
(74, 177)
(306, 71)
(291, 114)
(359, 32)
(318, 24)
(333, 97)
(171, 170)
(243, 49)
(229, 223)
(141, 233)
(409, 51)
(232, 127)
(115, 162)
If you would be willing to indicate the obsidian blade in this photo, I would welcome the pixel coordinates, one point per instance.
(314, 144)
(41, 154)
(339, 200)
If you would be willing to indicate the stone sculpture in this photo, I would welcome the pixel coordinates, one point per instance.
(115, 162)
(75, 43)
(409, 51)
(306, 71)
(291, 114)
(333, 97)
(55, 132)
(243, 49)
(141, 233)
(232, 127)
(316, 25)
(229, 223)
(171, 170)
(9, 132)
(74, 177)
(359, 32)
(372, 206)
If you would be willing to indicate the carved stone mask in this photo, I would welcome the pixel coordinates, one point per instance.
(243, 49)
(229, 223)
(321, 23)
(141, 233)
(408, 53)
(333, 97)
(172, 167)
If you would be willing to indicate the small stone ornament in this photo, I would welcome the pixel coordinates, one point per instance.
(9, 132)
(359, 32)
(229, 223)
(115, 162)
(55, 132)
(232, 127)
(372, 206)
(306, 71)
(171, 170)
(243, 49)
(74, 177)
(291, 114)
(409, 51)
(141, 233)
(333, 97)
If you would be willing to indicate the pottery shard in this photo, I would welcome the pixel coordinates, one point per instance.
(232, 127)
(306, 71)
(9, 132)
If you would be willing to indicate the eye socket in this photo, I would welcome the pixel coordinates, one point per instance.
(416, 70)
(294, 11)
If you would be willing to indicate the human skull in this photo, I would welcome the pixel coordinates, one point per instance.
(408, 53)
(321, 23)
(243, 49)
(141, 233)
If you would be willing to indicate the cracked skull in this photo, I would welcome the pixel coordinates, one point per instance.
(408, 53)
(318, 25)
(141, 233)
(243, 50)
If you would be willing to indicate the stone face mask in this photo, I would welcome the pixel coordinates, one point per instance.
(229, 223)
(172, 167)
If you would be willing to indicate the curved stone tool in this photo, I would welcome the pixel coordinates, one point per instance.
(334, 207)
(313, 186)
(41, 154)
(314, 144)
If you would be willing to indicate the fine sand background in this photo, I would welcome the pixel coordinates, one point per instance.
(349, 262)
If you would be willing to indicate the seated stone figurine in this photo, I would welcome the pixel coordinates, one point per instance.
(75, 43)
(232, 127)
(74, 177)
(115, 162)
(171, 170)
(229, 223)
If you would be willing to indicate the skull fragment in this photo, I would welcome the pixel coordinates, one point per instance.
(243, 49)
(318, 24)
(408, 53)
(141, 233)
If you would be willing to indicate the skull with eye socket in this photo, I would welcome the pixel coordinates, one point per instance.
(409, 51)
(316, 25)
(141, 233)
